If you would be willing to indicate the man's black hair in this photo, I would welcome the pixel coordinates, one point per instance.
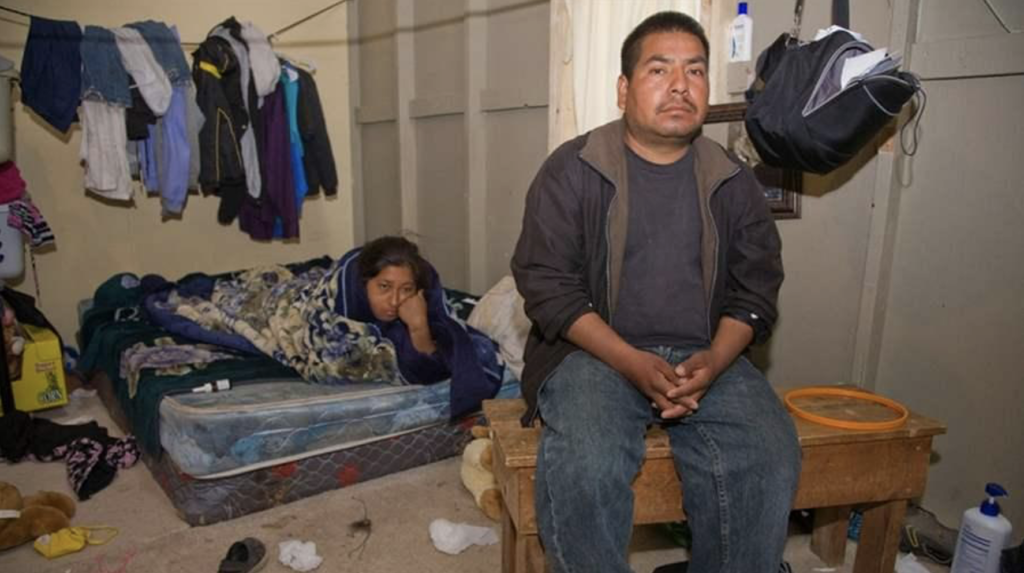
(388, 251)
(667, 21)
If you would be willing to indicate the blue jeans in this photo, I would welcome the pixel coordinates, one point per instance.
(737, 455)
(103, 74)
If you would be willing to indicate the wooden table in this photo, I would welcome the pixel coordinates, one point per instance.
(876, 471)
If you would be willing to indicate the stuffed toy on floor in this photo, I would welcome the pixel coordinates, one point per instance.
(478, 475)
(22, 520)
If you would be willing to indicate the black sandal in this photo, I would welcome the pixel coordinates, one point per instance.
(244, 556)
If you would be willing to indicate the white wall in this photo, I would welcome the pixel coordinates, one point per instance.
(954, 327)
(914, 289)
(97, 239)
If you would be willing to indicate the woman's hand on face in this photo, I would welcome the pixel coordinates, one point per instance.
(413, 311)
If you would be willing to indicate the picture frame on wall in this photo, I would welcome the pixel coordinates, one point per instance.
(782, 187)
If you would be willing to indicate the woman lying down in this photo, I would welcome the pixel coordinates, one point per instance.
(376, 314)
(399, 292)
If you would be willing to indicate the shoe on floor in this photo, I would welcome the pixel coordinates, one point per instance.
(244, 556)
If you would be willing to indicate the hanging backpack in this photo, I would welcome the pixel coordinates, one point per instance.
(799, 114)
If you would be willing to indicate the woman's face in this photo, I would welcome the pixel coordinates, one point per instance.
(388, 290)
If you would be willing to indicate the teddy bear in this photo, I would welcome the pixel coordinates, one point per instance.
(24, 519)
(478, 475)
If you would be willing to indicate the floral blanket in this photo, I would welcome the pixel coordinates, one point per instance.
(291, 317)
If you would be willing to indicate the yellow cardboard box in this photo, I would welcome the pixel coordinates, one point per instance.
(42, 372)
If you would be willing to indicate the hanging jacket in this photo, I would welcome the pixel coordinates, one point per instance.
(319, 158)
(219, 96)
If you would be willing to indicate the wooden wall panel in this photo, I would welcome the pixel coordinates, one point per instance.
(382, 189)
(516, 147)
(452, 112)
(441, 186)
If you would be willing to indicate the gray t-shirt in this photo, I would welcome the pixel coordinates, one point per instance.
(661, 296)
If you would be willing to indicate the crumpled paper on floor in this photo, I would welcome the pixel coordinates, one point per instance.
(454, 538)
(299, 555)
(907, 563)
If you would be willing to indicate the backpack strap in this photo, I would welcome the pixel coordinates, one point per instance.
(798, 16)
(841, 13)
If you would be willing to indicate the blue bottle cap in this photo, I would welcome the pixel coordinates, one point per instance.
(743, 8)
(989, 506)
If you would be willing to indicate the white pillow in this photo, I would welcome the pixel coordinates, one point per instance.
(500, 315)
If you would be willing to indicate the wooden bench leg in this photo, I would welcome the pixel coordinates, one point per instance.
(828, 541)
(880, 537)
(534, 555)
(519, 553)
(508, 543)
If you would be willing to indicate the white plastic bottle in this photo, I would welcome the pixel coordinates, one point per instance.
(983, 535)
(741, 36)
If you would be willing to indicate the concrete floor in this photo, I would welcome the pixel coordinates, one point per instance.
(152, 539)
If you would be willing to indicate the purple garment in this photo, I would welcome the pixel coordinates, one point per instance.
(278, 200)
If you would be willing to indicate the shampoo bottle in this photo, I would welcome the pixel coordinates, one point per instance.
(741, 36)
(983, 535)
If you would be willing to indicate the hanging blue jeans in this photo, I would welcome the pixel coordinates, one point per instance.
(166, 48)
(738, 457)
(103, 74)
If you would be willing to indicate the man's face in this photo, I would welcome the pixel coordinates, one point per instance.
(666, 99)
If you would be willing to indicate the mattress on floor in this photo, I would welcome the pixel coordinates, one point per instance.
(208, 501)
(264, 424)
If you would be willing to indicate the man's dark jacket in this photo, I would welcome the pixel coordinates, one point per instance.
(569, 257)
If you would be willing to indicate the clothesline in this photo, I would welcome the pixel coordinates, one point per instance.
(270, 37)
(239, 122)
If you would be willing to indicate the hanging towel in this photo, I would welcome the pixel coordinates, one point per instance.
(103, 150)
(51, 71)
(140, 62)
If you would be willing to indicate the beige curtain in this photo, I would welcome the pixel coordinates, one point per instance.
(586, 36)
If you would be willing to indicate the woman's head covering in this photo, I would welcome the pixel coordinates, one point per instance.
(463, 354)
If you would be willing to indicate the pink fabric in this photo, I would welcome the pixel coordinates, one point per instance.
(12, 186)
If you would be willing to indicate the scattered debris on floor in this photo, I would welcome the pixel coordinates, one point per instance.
(299, 555)
(454, 538)
(363, 525)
